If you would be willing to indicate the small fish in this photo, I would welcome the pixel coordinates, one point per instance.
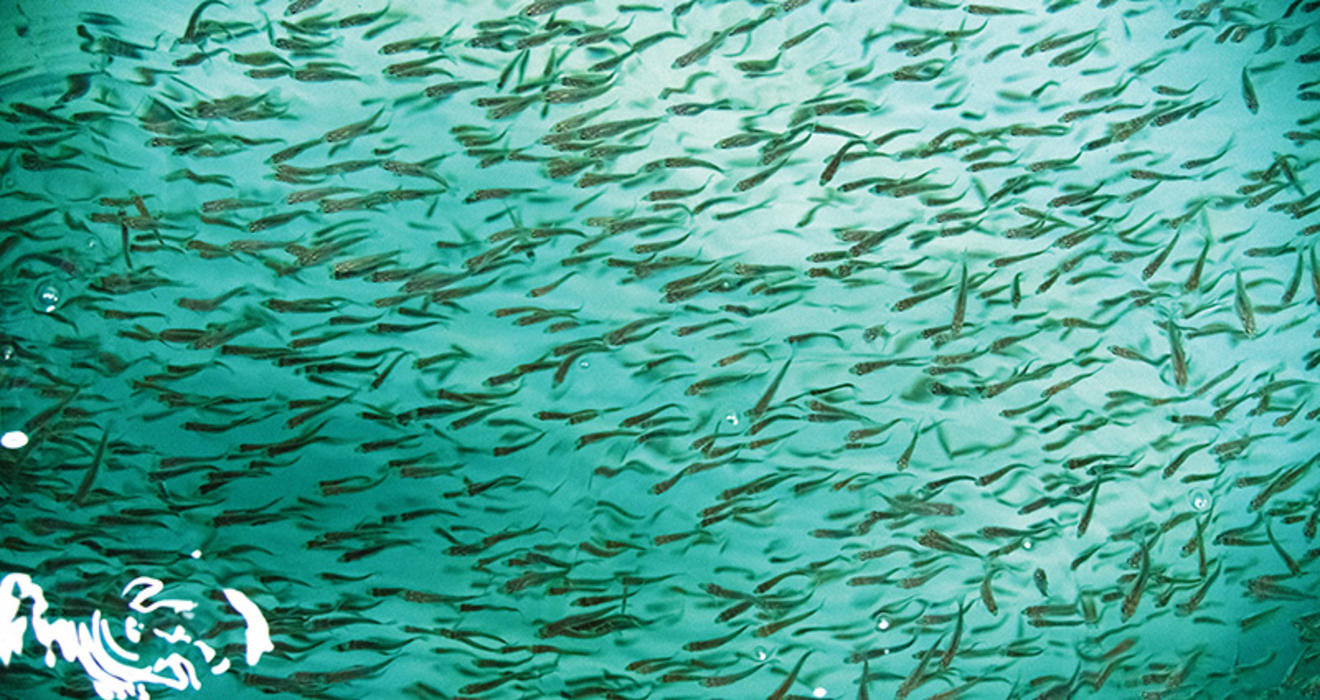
(729, 679)
(1315, 274)
(1288, 561)
(1133, 597)
(906, 457)
(230, 204)
(292, 151)
(836, 160)
(259, 59)
(1279, 484)
(947, 658)
(701, 51)
(992, 10)
(669, 194)
(938, 541)
(716, 642)
(757, 179)
(960, 304)
(782, 691)
(1085, 522)
(680, 162)
(190, 31)
(541, 7)
(1249, 92)
(918, 674)
(1176, 354)
(275, 220)
(1194, 278)
(89, 477)
(1242, 304)
(124, 241)
(1190, 605)
(758, 66)
(768, 629)
(321, 75)
(496, 193)
(352, 131)
(801, 37)
(441, 91)
(298, 6)
(209, 304)
(1163, 255)
(1182, 457)
(763, 403)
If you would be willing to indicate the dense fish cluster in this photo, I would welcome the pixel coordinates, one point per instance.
(703, 349)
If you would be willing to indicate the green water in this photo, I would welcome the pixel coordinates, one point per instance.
(921, 350)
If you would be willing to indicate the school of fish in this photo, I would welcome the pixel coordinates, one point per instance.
(703, 349)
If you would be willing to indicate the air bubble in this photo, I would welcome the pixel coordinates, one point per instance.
(1026, 544)
(8, 352)
(761, 653)
(584, 364)
(14, 440)
(883, 624)
(91, 244)
(732, 419)
(819, 692)
(1199, 499)
(46, 297)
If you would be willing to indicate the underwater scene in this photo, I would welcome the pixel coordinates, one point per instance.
(708, 349)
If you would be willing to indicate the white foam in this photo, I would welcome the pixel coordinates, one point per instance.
(112, 668)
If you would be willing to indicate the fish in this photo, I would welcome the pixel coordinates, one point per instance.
(770, 628)
(1289, 562)
(991, 10)
(1243, 306)
(541, 7)
(292, 151)
(230, 204)
(1154, 265)
(351, 131)
(763, 404)
(124, 240)
(938, 541)
(729, 679)
(1133, 597)
(299, 6)
(701, 51)
(89, 477)
(189, 35)
(781, 692)
(906, 457)
(946, 659)
(802, 36)
(1193, 282)
(209, 304)
(918, 674)
(496, 193)
(1177, 355)
(1038, 577)
(1279, 484)
(960, 304)
(1249, 92)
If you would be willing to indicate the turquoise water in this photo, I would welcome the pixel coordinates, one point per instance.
(710, 349)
